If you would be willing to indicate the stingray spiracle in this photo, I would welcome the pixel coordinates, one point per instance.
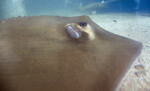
(72, 32)
(81, 29)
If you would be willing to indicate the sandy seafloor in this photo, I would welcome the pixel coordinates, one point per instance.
(134, 26)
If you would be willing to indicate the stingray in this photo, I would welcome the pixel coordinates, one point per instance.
(52, 53)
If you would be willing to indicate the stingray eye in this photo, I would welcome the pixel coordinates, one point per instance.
(83, 24)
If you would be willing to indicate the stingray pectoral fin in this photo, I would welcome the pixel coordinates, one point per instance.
(72, 32)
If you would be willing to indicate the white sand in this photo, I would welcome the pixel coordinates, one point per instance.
(136, 27)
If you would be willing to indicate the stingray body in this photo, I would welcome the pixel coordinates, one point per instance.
(37, 54)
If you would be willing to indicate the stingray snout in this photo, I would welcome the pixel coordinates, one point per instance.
(72, 32)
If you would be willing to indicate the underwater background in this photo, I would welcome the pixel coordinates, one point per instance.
(12, 8)
(128, 18)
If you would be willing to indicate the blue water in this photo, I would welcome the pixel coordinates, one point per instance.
(13, 8)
